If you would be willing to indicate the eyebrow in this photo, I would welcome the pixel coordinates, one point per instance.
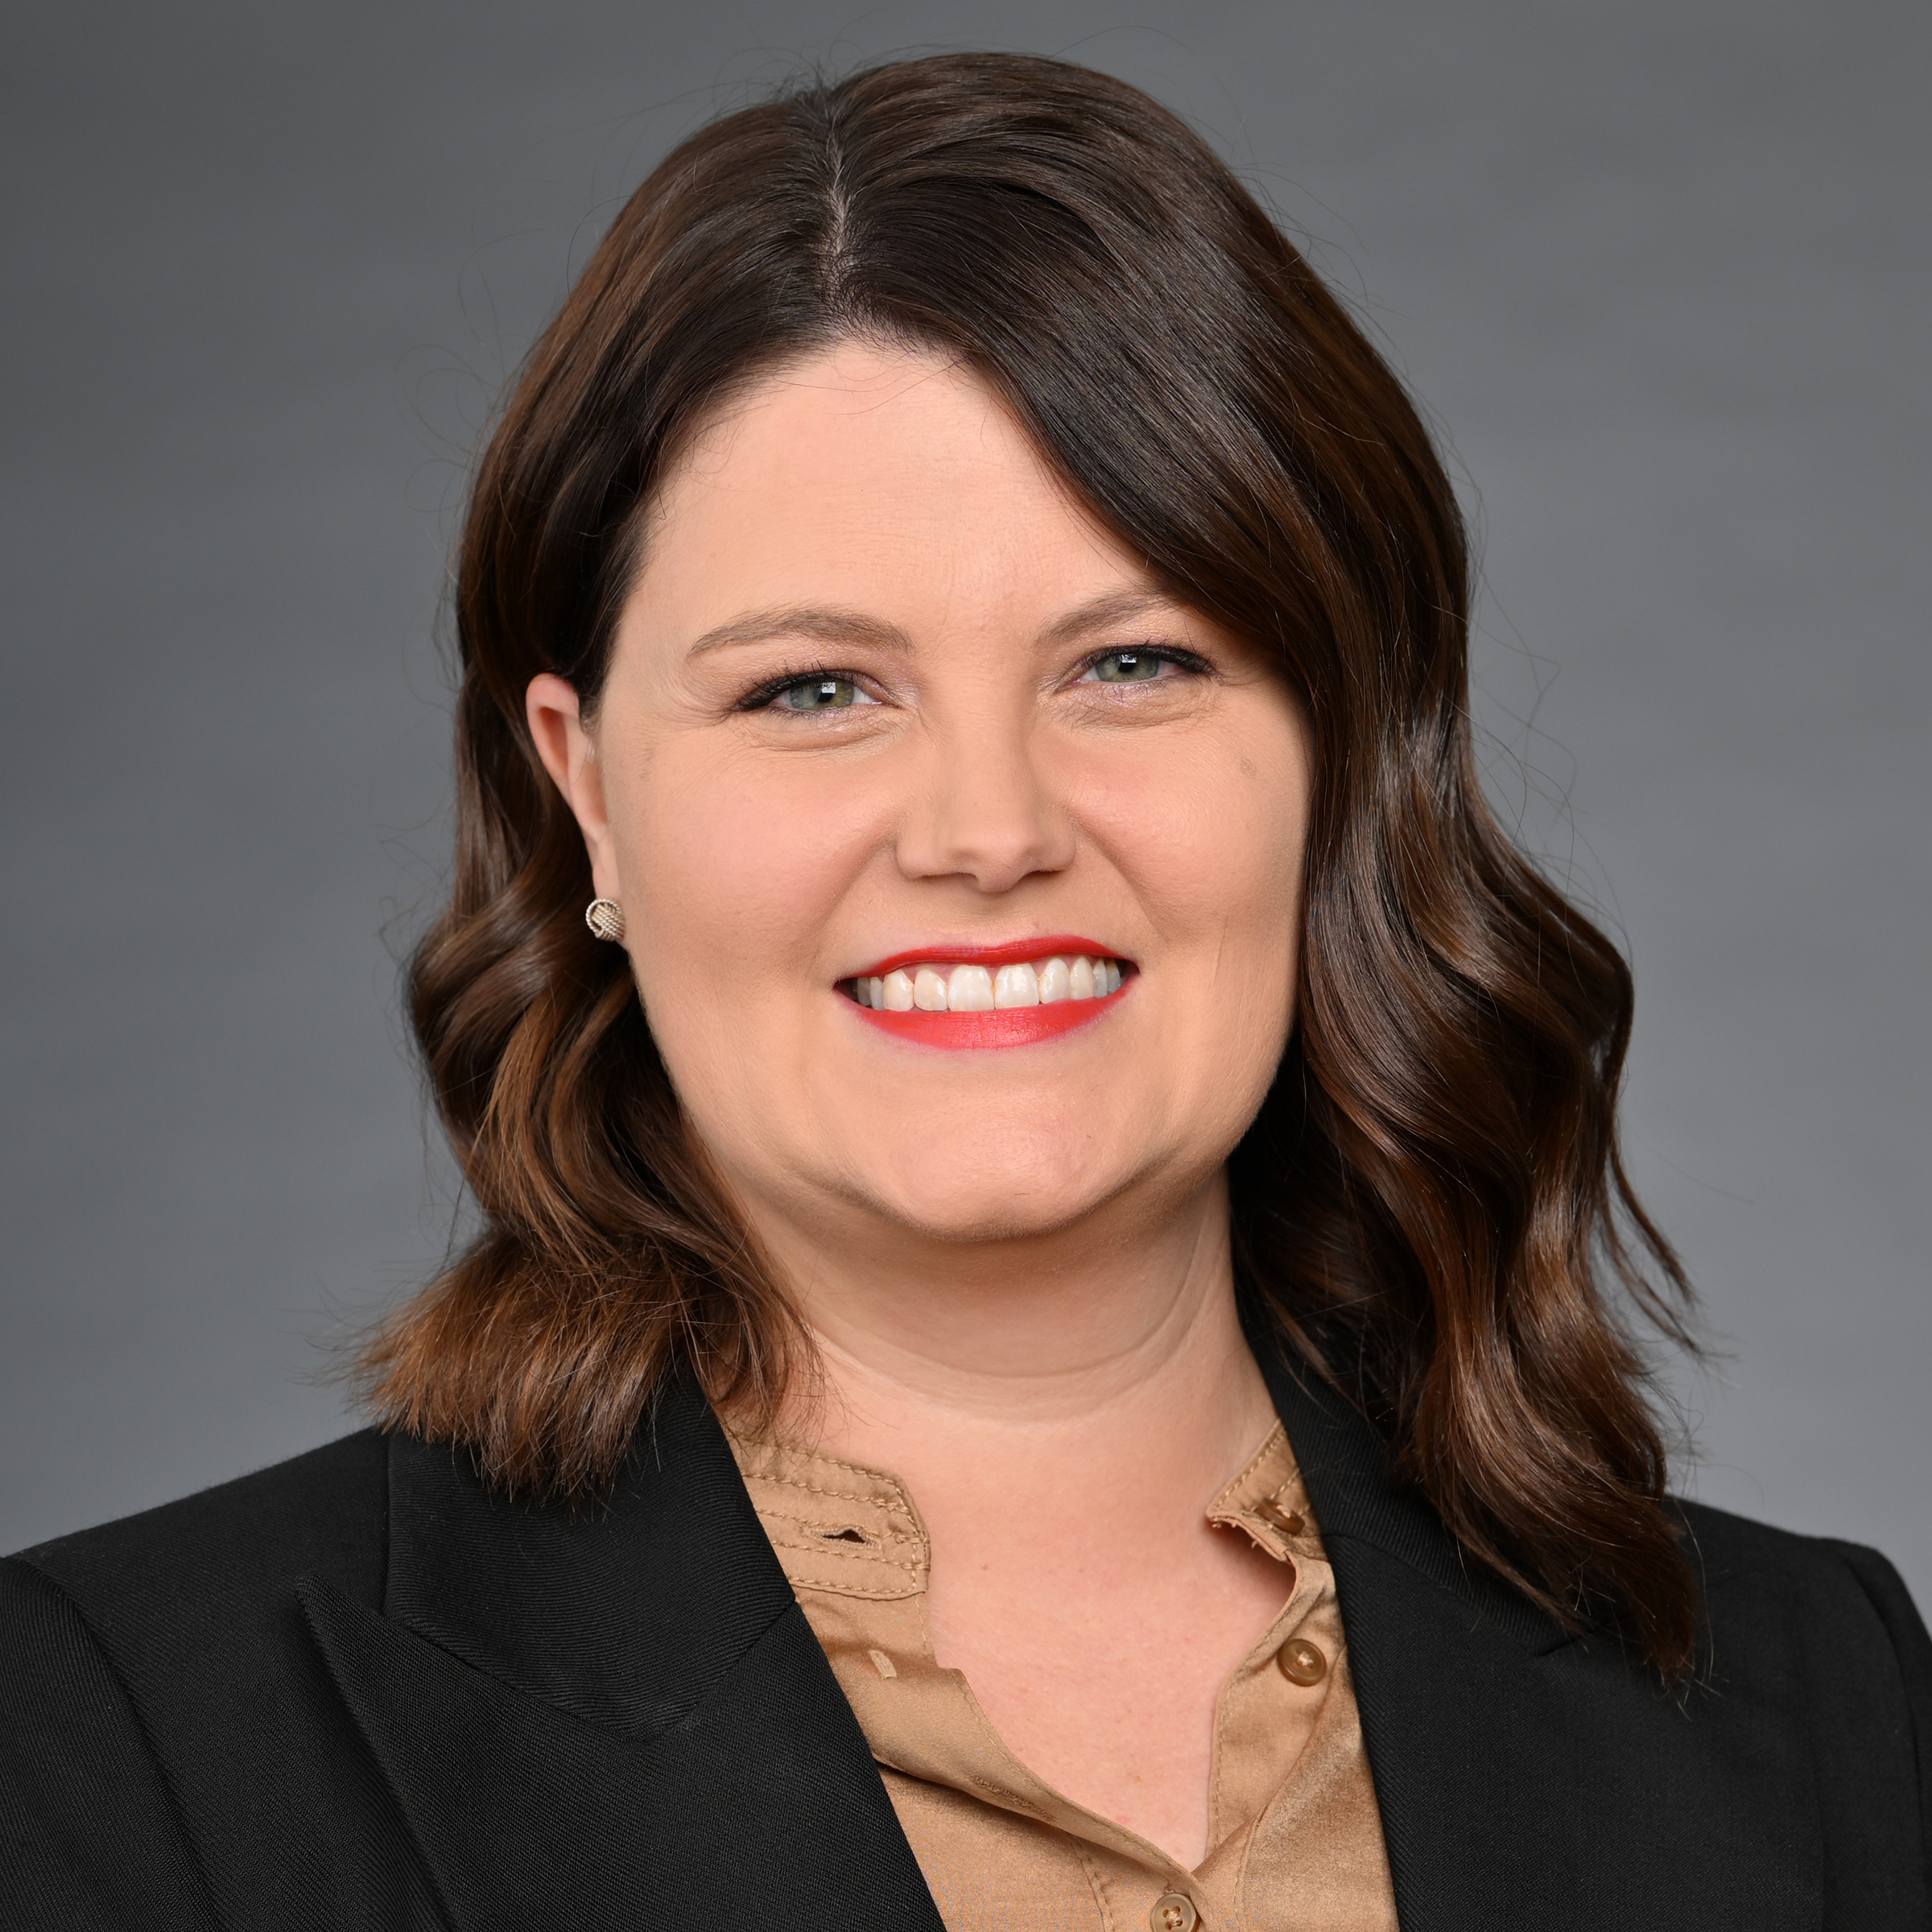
(798, 621)
(1102, 613)
(829, 626)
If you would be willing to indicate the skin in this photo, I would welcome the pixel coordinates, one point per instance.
(1014, 1263)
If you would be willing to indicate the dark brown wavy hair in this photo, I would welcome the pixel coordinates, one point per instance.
(1431, 1206)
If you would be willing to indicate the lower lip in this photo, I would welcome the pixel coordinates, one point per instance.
(1005, 1026)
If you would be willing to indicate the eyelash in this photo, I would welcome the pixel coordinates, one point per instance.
(1162, 654)
(764, 694)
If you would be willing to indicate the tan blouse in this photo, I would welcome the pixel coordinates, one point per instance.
(1296, 1840)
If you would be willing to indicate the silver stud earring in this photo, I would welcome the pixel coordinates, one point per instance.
(605, 918)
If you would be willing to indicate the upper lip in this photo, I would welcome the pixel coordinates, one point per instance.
(1009, 952)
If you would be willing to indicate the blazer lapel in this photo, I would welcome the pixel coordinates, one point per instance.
(599, 1720)
(1525, 1779)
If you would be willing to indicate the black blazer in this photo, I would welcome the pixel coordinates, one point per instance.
(356, 1691)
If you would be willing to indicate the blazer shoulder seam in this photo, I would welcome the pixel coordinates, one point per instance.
(105, 1656)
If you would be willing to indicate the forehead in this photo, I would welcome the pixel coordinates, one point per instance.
(869, 475)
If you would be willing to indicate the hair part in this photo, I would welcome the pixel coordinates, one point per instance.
(1431, 1206)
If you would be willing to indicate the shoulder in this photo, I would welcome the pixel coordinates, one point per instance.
(184, 1605)
(1821, 1605)
(321, 1513)
(1824, 1636)
(164, 1718)
(1856, 1596)
(196, 1592)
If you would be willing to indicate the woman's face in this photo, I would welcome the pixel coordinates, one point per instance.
(884, 703)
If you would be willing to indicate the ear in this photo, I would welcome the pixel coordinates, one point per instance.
(569, 753)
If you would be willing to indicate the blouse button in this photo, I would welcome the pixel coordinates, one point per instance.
(1289, 1521)
(1174, 1912)
(1301, 1662)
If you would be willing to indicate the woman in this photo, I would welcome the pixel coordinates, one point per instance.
(1044, 1348)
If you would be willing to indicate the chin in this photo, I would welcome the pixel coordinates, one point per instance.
(996, 1201)
(981, 1219)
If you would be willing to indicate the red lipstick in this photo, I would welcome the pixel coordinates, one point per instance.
(1004, 1027)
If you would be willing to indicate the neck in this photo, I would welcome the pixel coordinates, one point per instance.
(1109, 1355)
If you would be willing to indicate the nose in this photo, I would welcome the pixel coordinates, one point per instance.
(983, 812)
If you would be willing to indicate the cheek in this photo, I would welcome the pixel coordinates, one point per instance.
(1215, 843)
(1244, 902)
(738, 876)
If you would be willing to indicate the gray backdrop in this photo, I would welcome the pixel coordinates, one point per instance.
(1658, 270)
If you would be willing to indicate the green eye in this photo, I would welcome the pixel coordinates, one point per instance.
(819, 694)
(1127, 668)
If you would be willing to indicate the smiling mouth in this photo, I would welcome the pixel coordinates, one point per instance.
(1006, 996)
(967, 986)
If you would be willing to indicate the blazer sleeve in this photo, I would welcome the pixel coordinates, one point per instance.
(89, 1837)
(1885, 1590)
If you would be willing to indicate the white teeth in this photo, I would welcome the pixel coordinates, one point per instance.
(1016, 986)
(942, 988)
(969, 989)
